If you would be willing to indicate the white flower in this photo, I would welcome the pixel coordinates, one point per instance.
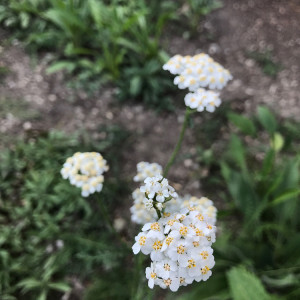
(158, 190)
(202, 99)
(179, 245)
(151, 276)
(85, 170)
(145, 169)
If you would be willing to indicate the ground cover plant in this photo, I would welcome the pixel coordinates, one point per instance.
(99, 41)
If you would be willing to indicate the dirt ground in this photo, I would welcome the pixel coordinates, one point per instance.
(32, 100)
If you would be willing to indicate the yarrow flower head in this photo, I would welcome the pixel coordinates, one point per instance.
(197, 71)
(145, 169)
(179, 246)
(85, 170)
(157, 192)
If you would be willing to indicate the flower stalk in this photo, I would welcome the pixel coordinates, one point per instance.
(179, 142)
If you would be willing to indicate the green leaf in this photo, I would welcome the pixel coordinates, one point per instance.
(268, 163)
(59, 286)
(267, 119)
(236, 152)
(135, 85)
(245, 285)
(61, 65)
(288, 195)
(286, 280)
(29, 284)
(243, 123)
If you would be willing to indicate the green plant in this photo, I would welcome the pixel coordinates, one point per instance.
(40, 214)
(260, 227)
(103, 41)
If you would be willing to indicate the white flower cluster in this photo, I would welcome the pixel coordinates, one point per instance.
(196, 73)
(145, 169)
(140, 216)
(179, 246)
(85, 170)
(202, 100)
(157, 192)
(204, 205)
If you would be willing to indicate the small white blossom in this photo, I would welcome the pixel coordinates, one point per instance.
(85, 170)
(145, 169)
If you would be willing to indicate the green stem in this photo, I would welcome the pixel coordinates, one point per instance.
(158, 213)
(179, 142)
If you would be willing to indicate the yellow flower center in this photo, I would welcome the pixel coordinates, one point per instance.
(169, 240)
(204, 254)
(142, 240)
(199, 232)
(155, 226)
(167, 282)
(183, 230)
(167, 267)
(205, 270)
(153, 275)
(200, 217)
(157, 245)
(180, 249)
(196, 244)
(191, 263)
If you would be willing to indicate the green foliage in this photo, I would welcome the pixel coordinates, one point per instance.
(48, 231)
(260, 165)
(98, 41)
(245, 285)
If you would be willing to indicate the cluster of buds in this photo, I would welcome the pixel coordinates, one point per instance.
(179, 246)
(84, 170)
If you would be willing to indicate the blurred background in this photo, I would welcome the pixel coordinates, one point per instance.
(86, 75)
